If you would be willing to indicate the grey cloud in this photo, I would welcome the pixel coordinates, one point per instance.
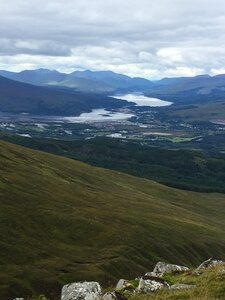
(33, 47)
(141, 38)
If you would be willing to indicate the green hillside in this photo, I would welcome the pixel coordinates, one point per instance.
(184, 169)
(63, 220)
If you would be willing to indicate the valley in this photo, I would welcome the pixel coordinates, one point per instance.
(100, 181)
(146, 125)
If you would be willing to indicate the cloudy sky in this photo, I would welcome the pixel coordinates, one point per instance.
(146, 38)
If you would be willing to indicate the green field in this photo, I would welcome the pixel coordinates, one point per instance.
(63, 220)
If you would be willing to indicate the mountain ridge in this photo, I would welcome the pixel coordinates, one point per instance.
(179, 89)
(99, 81)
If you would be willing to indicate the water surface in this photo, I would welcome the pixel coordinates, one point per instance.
(99, 115)
(142, 100)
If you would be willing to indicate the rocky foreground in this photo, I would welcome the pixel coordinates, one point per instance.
(164, 278)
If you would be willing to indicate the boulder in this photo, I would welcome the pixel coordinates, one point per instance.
(121, 284)
(113, 296)
(19, 299)
(81, 291)
(208, 263)
(162, 267)
(155, 278)
(180, 286)
(148, 286)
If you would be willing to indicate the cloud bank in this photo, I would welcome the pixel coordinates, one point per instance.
(146, 38)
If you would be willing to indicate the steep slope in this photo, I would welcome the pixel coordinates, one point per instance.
(63, 220)
(17, 97)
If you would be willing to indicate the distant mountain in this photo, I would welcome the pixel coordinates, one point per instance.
(17, 97)
(190, 89)
(180, 90)
(85, 81)
(110, 81)
(36, 77)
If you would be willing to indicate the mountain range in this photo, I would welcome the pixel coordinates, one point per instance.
(88, 81)
(179, 90)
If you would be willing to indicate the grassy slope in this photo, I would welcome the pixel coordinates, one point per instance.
(62, 220)
(191, 170)
(210, 285)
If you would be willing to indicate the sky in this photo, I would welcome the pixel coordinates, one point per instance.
(145, 38)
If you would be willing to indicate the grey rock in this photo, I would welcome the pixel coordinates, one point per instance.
(113, 296)
(221, 272)
(180, 286)
(156, 278)
(208, 263)
(81, 291)
(19, 299)
(148, 286)
(149, 274)
(162, 267)
(121, 284)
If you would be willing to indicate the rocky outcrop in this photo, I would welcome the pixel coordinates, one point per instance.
(121, 284)
(114, 296)
(148, 286)
(162, 267)
(149, 283)
(208, 263)
(81, 291)
(159, 279)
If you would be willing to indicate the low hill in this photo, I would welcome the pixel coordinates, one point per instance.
(17, 97)
(63, 220)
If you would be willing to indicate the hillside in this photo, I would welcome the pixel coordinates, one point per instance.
(63, 220)
(84, 81)
(189, 90)
(35, 77)
(17, 97)
(185, 169)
